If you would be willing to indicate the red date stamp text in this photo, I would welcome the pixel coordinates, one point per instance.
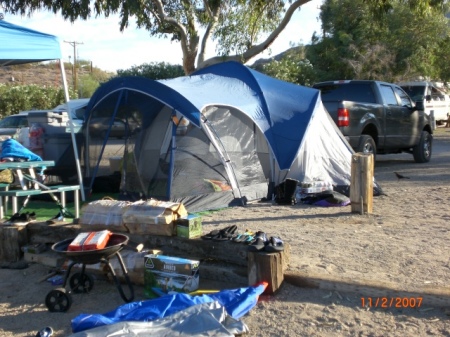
(391, 302)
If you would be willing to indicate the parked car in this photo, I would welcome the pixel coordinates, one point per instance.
(10, 125)
(98, 127)
(378, 117)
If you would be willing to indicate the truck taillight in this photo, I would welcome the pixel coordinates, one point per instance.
(343, 117)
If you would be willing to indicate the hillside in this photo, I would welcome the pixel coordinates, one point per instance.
(45, 74)
(48, 73)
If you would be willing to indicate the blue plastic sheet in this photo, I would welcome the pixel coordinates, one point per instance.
(237, 303)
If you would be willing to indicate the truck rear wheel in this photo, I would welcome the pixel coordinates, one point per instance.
(367, 145)
(422, 151)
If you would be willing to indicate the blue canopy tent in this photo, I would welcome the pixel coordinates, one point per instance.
(19, 45)
(23, 45)
(216, 138)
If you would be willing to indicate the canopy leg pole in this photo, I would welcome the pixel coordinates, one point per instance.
(72, 132)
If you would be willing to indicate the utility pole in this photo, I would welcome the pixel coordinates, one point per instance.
(74, 71)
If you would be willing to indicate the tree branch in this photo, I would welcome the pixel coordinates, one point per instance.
(164, 18)
(209, 30)
(255, 50)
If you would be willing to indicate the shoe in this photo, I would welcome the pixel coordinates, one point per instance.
(259, 242)
(22, 219)
(46, 332)
(210, 235)
(225, 234)
(13, 218)
(32, 216)
(275, 244)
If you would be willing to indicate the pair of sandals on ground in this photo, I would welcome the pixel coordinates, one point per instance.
(256, 241)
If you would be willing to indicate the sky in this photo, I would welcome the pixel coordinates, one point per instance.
(99, 39)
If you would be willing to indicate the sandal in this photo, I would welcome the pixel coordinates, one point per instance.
(259, 242)
(243, 237)
(274, 245)
(225, 234)
(210, 235)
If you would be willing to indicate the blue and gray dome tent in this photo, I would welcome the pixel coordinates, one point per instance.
(216, 138)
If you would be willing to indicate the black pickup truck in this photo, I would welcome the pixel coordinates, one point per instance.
(378, 117)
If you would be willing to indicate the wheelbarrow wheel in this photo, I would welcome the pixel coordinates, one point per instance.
(58, 300)
(81, 283)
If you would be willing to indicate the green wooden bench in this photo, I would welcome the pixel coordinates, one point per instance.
(56, 189)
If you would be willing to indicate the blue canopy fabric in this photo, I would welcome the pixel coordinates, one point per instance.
(22, 45)
(280, 109)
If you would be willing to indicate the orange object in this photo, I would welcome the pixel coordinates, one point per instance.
(77, 243)
(97, 240)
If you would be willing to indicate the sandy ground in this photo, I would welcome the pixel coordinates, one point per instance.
(404, 243)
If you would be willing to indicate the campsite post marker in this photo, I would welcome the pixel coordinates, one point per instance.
(361, 185)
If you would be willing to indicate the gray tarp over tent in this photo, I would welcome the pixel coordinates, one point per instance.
(20, 45)
(216, 138)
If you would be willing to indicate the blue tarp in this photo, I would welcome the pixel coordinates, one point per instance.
(237, 303)
(22, 45)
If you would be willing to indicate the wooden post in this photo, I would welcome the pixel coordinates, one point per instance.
(361, 186)
(11, 239)
(267, 267)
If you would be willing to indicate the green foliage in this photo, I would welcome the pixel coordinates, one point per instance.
(28, 97)
(358, 43)
(153, 70)
(87, 84)
(292, 67)
(242, 23)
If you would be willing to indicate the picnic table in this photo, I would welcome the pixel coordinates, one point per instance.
(27, 175)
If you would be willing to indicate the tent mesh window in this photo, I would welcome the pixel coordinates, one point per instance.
(243, 143)
(111, 134)
(198, 169)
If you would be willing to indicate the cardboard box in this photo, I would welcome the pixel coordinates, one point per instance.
(165, 274)
(153, 217)
(104, 214)
(189, 227)
(133, 261)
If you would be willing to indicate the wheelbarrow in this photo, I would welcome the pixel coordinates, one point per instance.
(59, 299)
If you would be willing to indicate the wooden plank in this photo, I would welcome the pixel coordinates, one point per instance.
(361, 185)
(197, 249)
(50, 259)
(430, 296)
(11, 239)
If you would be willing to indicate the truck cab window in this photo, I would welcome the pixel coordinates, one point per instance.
(404, 98)
(388, 94)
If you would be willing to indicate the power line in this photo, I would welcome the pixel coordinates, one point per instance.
(74, 67)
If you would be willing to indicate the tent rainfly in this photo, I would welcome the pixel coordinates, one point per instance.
(222, 136)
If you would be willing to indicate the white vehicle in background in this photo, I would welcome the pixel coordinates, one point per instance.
(434, 99)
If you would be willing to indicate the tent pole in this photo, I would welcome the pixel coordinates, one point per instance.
(72, 131)
(225, 160)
